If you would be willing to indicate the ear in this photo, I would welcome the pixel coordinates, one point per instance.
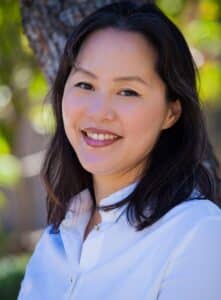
(173, 114)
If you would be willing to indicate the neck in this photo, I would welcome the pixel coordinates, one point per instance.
(103, 188)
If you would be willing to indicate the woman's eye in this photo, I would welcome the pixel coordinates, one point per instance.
(130, 93)
(88, 86)
(85, 85)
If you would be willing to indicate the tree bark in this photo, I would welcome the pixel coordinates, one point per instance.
(48, 23)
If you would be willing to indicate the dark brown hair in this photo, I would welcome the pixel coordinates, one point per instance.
(182, 159)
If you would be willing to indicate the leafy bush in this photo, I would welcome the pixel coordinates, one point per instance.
(12, 270)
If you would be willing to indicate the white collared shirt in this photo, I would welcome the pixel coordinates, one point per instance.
(177, 258)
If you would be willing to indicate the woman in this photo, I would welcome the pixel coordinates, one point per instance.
(130, 137)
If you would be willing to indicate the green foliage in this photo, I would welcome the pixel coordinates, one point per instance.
(12, 269)
(200, 23)
(37, 87)
(10, 170)
(210, 87)
(22, 90)
(172, 10)
(4, 146)
(2, 203)
(42, 118)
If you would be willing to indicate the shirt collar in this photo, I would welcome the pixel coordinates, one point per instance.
(113, 214)
(82, 203)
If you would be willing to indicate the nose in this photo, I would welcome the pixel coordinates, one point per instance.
(100, 107)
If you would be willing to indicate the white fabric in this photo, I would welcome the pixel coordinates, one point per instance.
(177, 258)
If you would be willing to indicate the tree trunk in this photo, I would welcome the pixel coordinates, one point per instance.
(47, 25)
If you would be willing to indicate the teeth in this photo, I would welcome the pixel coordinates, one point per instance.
(101, 136)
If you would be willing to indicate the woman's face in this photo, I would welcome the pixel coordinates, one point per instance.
(115, 88)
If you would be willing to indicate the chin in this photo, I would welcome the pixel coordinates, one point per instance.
(98, 170)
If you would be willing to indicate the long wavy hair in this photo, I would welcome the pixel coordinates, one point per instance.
(183, 157)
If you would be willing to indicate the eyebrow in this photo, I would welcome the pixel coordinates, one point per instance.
(123, 78)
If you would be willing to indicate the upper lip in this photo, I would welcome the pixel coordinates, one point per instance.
(98, 130)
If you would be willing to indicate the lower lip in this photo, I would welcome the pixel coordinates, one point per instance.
(97, 143)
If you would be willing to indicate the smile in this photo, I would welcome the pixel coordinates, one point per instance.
(99, 140)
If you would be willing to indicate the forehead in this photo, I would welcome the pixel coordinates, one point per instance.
(117, 51)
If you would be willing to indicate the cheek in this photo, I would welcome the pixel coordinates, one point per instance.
(144, 127)
(70, 109)
(147, 119)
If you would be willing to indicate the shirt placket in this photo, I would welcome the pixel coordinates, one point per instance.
(90, 254)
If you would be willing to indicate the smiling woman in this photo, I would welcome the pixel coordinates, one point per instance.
(128, 109)
(130, 155)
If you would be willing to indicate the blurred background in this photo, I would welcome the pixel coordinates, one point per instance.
(26, 122)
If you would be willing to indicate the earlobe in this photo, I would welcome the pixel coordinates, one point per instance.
(174, 113)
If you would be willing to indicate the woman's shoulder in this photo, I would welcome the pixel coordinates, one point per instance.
(48, 245)
(191, 223)
(41, 271)
(197, 208)
(191, 213)
(192, 239)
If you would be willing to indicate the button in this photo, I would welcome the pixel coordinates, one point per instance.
(72, 279)
(97, 226)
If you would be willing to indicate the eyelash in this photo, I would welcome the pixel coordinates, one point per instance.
(88, 84)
